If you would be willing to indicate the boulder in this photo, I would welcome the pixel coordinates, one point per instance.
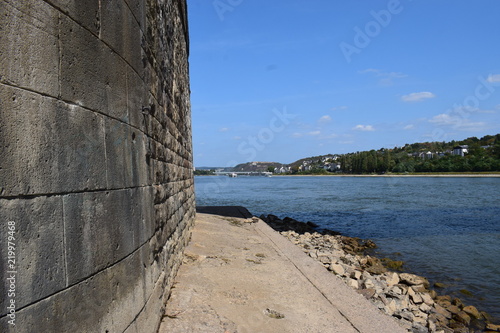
(431, 325)
(420, 316)
(370, 284)
(374, 266)
(324, 259)
(416, 298)
(419, 328)
(439, 319)
(458, 302)
(368, 293)
(412, 279)
(337, 269)
(419, 288)
(347, 270)
(443, 298)
(472, 311)
(404, 315)
(356, 275)
(459, 329)
(493, 327)
(391, 278)
(425, 308)
(462, 317)
(427, 299)
(391, 307)
(443, 302)
(395, 292)
(442, 311)
(453, 309)
(403, 303)
(353, 283)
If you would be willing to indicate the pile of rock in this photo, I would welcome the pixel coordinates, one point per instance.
(405, 296)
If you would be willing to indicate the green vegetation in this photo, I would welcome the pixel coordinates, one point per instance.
(479, 155)
(483, 155)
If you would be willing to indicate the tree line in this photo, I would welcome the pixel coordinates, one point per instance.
(482, 155)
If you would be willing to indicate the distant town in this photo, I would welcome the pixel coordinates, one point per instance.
(466, 156)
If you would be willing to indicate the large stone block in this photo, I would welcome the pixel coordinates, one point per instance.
(39, 249)
(126, 156)
(107, 302)
(102, 228)
(121, 31)
(145, 197)
(138, 105)
(49, 146)
(149, 318)
(29, 52)
(85, 12)
(138, 9)
(92, 75)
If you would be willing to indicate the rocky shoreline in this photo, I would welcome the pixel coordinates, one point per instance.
(405, 296)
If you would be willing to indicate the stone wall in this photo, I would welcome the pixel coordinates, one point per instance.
(95, 162)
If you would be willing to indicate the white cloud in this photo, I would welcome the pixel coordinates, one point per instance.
(223, 129)
(237, 138)
(417, 96)
(364, 128)
(443, 119)
(386, 78)
(300, 135)
(493, 78)
(408, 127)
(325, 119)
(458, 122)
(339, 108)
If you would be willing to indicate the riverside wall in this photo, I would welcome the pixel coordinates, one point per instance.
(96, 181)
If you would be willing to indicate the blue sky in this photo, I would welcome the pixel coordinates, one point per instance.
(280, 80)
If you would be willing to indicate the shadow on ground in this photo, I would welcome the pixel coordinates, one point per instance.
(228, 211)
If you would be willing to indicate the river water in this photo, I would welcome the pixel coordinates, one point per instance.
(447, 229)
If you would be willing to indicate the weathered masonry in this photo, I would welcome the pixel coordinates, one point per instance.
(95, 162)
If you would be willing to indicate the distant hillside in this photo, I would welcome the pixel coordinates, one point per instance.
(257, 166)
(474, 155)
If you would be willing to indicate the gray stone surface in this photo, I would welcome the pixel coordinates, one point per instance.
(51, 147)
(39, 248)
(85, 12)
(101, 192)
(101, 228)
(121, 31)
(24, 63)
(108, 300)
(242, 276)
(104, 89)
